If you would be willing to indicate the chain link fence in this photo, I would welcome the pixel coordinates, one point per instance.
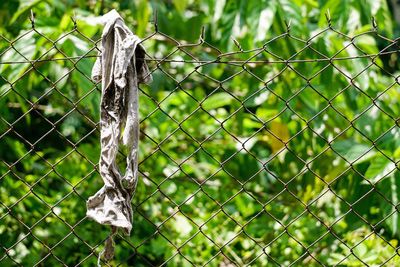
(283, 155)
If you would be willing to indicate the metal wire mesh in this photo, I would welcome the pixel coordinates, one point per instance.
(201, 125)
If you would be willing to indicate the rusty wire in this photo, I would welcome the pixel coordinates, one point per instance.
(229, 58)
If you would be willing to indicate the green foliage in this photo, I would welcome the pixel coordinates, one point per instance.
(248, 164)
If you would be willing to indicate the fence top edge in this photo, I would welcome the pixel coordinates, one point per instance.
(221, 57)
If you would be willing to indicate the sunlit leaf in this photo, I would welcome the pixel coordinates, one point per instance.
(379, 168)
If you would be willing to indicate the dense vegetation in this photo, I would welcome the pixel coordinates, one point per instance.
(265, 164)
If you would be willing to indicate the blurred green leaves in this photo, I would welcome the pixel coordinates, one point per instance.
(250, 165)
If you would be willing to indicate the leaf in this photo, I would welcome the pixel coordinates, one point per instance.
(217, 100)
(339, 12)
(379, 168)
(353, 152)
(143, 14)
(226, 23)
(180, 5)
(265, 114)
(394, 220)
(309, 100)
(24, 8)
(360, 250)
(265, 21)
(235, 162)
(257, 99)
(387, 210)
(353, 21)
(24, 49)
(277, 130)
(73, 46)
(368, 45)
(292, 10)
(384, 18)
(182, 225)
(59, 74)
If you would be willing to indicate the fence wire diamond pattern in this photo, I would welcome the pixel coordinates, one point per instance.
(253, 157)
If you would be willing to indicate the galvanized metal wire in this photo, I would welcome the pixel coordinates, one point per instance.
(245, 67)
